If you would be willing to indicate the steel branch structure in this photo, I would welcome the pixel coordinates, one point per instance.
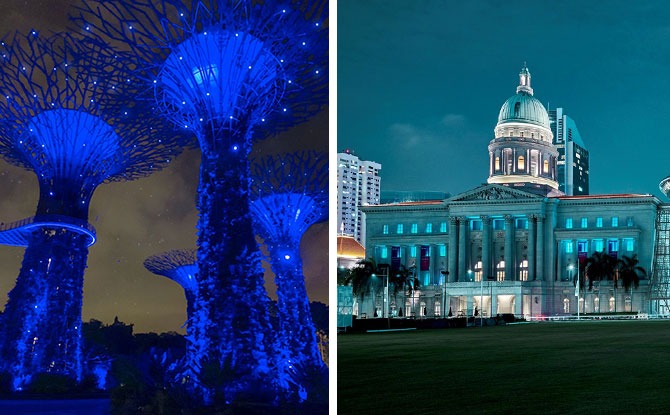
(71, 116)
(230, 71)
(288, 195)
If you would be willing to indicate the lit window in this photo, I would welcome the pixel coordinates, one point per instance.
(599, 222)
(384, 252)
(400, 228)
(498, 224)
(545, 166)
(521, 163)
(629, 221)
(497, 163)
(443, 226)
(522, 223)
(478, 271)
(500, 271)
(598, 245)
(414, 229)
(443, 250)
(629, 243)
(568, 223)
(429, 227)
(412, 251)
(523, 270)
(615, 221)
(385, 230)
(585, 222)
(568, 247)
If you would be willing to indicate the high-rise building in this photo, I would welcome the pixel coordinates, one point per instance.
(573, 157)
(358, 184)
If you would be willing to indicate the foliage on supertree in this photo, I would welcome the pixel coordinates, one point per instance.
(71, 116)
(181, 267)
(288, 195)
(227, 70)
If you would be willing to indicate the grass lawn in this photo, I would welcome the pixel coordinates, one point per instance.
(538, 368)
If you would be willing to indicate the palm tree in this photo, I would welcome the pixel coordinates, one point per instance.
(630, 272)
(361, 278)
(599, 266)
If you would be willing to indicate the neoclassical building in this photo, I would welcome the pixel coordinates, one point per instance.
(515, 244)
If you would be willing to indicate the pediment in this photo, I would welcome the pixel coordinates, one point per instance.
(492, 192)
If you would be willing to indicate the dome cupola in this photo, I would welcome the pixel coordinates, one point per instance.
(522, 152)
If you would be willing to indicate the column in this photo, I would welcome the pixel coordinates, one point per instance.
(540, 248)
(462, 267)
(509, 239)
(452, 249)
(531, 247)
(486, 246)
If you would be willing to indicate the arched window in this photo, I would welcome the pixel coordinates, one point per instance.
(500, 271)
(438, 308)
(521, 163)
(612, 304)
(545, 167)
(478, 271)
(408, 309)
(517, 107)
(596, 305)
(497, 163)
(523, 270)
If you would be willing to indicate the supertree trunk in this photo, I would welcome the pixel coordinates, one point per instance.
(230, 273)
(43, 314)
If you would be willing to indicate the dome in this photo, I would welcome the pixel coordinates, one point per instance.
(524, 108)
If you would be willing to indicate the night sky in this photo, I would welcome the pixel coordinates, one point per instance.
(141, 218)
(420, 85)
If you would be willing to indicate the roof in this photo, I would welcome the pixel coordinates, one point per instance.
(349, 247)
(523, 108)
(606, 196)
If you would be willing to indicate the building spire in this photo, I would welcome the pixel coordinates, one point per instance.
(524, 81)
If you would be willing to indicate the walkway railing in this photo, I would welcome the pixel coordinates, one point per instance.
(18, 233)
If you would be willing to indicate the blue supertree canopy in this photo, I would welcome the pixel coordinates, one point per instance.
(71, 113)
(224, 65)
(289, 194)
(178, 265)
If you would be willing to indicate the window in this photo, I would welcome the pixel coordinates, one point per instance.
(582, 246)
(568, 223)
(599, 222)
(522, 223)
(384, 252)
(443, 250)
(385, 230)
(500, 271)
(443, 226)
(400, 229)
(438, 308)
(412, 251)
(598, 245)
(566, 305)
(629, 221)
(521, 163)
(415, 228)
(585, 223)
(478, 271)
(498, 224)
(568, 247)
(615, 221)
(523, 270)
(497, 163)
(613, 245)
(629, 244)
(476, 225)
(429, 227)
(545, 166)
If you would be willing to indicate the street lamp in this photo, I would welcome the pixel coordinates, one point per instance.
(571, 267)
(445, 274)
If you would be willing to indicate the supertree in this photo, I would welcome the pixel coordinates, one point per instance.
(70, 115)
(228, 70)
(288, 195)
(181, 267)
